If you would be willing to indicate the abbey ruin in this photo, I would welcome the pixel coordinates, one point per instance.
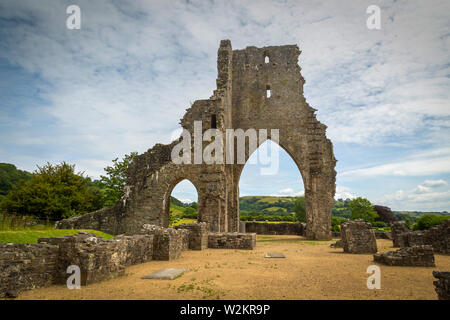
(259, 88)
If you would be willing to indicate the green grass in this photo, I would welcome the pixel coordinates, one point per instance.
(31, 236)
(175, 223)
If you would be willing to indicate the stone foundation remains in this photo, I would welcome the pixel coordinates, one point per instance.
(416, 256)
(275, 228)
(438, 237)
(232, 240)
(358, 237)
(198, 235)
(397, 229)
(29, 266)
(442, 285)
(168, 242)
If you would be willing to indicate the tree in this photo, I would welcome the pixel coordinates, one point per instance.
(429, 220)
(115, 179)
(361, 208)
(53, 192)
(10, 176)
(300, 209)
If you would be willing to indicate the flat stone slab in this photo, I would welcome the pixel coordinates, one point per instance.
(274, 255)
(166, 274)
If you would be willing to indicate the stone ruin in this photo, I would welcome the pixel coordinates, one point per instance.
(416, 256)
(29, 266)
(438, 237)
(442, 285)
(397, 229)
(276, 228)
(241, 101)
(358, 237)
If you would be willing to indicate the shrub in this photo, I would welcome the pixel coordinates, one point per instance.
(429, 220)
(379, 224)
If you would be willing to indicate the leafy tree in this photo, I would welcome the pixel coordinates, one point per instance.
(336, 223)
(429, 220)
(300, 209)
(10, 176)
(361, 208)
(115, 179)
(53, 192)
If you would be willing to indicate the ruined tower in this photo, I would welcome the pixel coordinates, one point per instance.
(241, 101)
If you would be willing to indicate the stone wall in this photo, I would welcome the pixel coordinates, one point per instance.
(416, 256)
(168, 242)
(275, 228)
(239, 102)
(438, 237)
(198, 235)
(358, 237)
(383, 235)
(442, 285)
(231, 240)
(26, 266)
(397, 229)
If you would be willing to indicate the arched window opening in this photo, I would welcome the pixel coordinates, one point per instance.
(276, 197)
(183, 203)
(267, 91)
(266, 59)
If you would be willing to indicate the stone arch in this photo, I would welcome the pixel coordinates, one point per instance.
(169, 193)
(239, 102)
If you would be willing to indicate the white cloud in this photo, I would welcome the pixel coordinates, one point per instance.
(289, 192)
(422, 197)
(343, 193)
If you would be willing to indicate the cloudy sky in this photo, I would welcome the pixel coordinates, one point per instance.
(122, 82)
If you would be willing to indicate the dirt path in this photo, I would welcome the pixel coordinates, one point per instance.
(311, 270)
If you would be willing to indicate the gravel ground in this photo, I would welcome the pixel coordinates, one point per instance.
(311, 270)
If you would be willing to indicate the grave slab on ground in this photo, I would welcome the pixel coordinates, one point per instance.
(166, 274)
(274, 255)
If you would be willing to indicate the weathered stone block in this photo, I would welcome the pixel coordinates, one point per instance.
(275, 228)
(168, 242)
(397, 228)
(442, 285)
(416, 256)
(358, 237)
(231, 240)
(198, 235)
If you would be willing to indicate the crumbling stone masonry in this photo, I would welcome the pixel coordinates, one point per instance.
(232, 240)
(416, 256)
(29, 266)
(358, 237)
(438, 237)
(198, 235)
(275, 228)
(168, 242)
(442, 285)
(397, 229)
(239, 102)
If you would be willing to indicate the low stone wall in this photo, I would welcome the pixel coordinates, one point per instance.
(397, 229)
(275, 228)
(168, 242)
(438, 237)
(442, 285)
(232, 240)
(416, 256)
(24, 267)
(198, 235)
(358, 237)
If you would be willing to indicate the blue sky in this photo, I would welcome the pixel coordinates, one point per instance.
(122, 82)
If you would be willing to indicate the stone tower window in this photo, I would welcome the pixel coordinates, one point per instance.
(267, 91)
(213, 122)
(266, 58)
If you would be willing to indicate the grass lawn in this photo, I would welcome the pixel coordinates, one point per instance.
(31, 236)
